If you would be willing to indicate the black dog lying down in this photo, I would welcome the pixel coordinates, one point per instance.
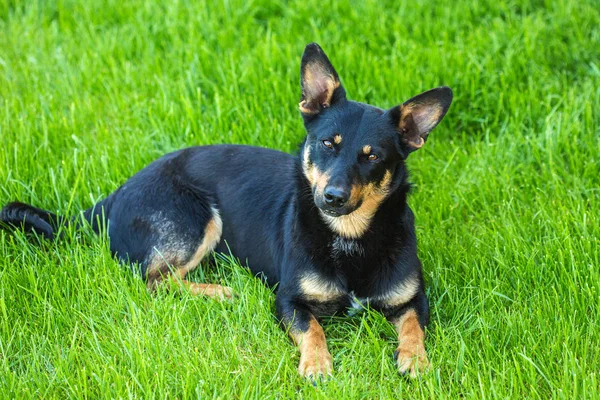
(330, 226)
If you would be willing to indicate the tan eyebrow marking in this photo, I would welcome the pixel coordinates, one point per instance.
(337, 139)
(367, 149)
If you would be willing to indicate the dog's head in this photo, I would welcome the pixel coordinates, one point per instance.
(353, 150)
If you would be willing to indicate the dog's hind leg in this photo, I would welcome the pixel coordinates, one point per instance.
(170, 264)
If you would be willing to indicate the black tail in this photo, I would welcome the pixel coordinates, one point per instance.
(32, 219)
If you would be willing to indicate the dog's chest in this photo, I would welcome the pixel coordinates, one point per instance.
(342, 247)
(359, 275)
(357, 304)
(327, 296)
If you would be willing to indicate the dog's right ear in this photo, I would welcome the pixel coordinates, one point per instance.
(416, 117)
(320, 83)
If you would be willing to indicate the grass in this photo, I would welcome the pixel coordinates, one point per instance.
(507, 192)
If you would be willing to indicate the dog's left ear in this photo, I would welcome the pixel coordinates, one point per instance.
(320, 82)
(416, 117)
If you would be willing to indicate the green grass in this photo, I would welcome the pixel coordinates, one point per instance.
(507, 192)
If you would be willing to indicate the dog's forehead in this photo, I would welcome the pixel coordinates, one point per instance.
(372, 129)
(362, 122)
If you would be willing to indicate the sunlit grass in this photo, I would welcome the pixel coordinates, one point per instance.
(506, 195)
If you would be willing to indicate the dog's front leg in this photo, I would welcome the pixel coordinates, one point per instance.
(304, 329)
(409, 321)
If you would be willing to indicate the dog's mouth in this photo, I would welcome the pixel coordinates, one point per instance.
(331, 213)
(337, 212)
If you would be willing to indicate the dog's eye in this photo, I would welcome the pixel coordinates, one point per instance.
(373, 157)
(328, 144)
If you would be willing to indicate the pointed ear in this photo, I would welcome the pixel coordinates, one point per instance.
(416, 117)
(320, 83)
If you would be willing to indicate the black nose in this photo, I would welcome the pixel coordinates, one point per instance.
(336, 196)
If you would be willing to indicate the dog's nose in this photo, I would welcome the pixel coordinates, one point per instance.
(336, 196)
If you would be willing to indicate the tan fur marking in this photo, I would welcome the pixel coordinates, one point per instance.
(355, 224)
(367, 149)
(412, 358)
(320, 179)
(421, 113)
(306, 110)
(313, 174)
(169, 266)
(337, 139)
(419, 116)
(315, 359)
(306, 165)
(317, 82)
(401, 294)
(215, 291)
(212, 236)
(356, 193)
(317, 289)
(159, 268)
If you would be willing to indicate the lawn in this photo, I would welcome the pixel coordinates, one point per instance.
(507, 192)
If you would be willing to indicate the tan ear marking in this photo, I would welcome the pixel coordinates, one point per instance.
(318, 86)
(303, 106)
(417, 143)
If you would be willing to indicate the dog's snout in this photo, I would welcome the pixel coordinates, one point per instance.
(336, 196)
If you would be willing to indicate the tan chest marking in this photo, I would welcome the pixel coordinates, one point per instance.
(318, 289)
(401, 294)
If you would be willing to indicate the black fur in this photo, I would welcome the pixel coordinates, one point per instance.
(32, 219)
(273, 216)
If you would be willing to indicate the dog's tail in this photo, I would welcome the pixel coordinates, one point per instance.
(31, 219)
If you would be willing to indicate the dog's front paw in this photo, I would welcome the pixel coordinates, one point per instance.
(316, 365)
(411, 362)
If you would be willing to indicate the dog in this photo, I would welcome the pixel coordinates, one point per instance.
(329, 227)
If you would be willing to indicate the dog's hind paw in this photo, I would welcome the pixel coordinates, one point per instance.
(216, 292)
(224, 293)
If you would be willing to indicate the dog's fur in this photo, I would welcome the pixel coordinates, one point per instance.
(331, 226)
